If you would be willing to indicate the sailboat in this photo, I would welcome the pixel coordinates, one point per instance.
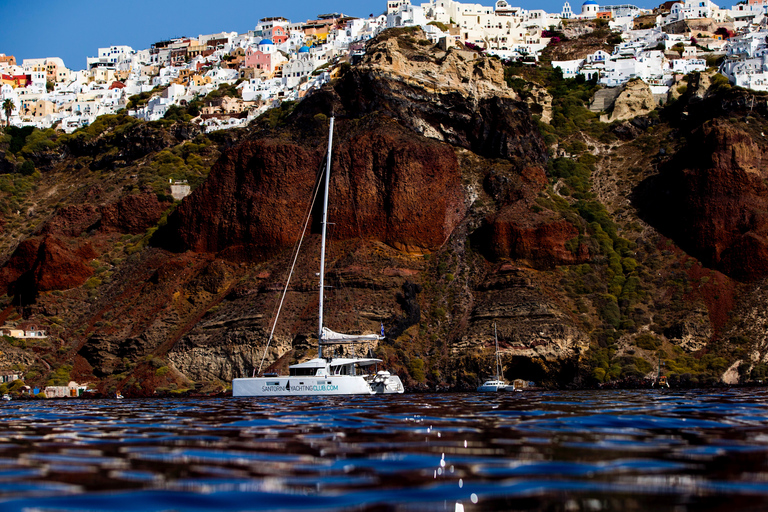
(323, 376)
(497, 384)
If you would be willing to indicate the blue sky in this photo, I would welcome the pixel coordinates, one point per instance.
(75, 29)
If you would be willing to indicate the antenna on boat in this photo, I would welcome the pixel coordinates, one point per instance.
(322, 241)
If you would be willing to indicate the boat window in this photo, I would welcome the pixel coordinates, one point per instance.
(273, 383)
(302, 372)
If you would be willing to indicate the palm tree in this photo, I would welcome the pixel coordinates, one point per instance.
(8, 107)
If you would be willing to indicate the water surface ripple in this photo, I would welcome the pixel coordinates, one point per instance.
(569, 451)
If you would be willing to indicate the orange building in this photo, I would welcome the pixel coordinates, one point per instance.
(7, 59)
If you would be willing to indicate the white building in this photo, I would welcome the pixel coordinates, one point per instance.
(566, 13)
(694, 9)
(746, 64)
(685, 66)
(589, 10)
(72, 390)
(301, 66)
(110, 57)
(406, 15)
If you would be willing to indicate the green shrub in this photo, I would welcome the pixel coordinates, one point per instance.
(92, 283)
(647, 342)
(416, 369)
(441, 26)
(720, 82)
(643, 366)
(27, 168)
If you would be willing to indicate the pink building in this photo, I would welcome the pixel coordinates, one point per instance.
(259, 61)
(279, 35)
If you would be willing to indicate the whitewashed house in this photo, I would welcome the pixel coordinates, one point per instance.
(71, 390)
(296, 70)
(406, 15)
(685, 66)
(694, 9)
(746, 64)
(569, 68)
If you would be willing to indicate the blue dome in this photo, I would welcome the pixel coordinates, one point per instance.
(304, 49)
(590, 2)
(266, 41)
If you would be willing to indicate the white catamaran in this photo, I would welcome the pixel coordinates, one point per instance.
(497, 384)
(323, 376)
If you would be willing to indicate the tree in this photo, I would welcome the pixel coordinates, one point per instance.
(27, 168)
(8, 107)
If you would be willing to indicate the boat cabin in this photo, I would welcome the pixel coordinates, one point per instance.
(327, 367)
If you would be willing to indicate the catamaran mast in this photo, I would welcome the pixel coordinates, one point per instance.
(322, 242)
(498, 359)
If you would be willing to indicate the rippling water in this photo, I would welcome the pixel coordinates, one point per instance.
(570, 451)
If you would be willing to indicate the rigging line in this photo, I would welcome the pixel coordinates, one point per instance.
(308, 211)
(290, 273)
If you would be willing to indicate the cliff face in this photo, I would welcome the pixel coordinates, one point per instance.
(456, 97)
(448, 214)
(712, 199)
(57, 258)
(386, 185)
(634, 100)
(397, 192)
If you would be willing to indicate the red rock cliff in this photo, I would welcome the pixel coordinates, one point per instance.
(386, 184)
(713, 199)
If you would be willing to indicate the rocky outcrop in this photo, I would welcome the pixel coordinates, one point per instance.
(538, 340)
(106, 355)
(15, 357)
(458, 97)
(634, 100)
(132, 214)
(46, 263)
(539, 238)
(237, 356)
(382, 178)
(712, 198)
(59, 266)
(125, 139)
(543, 238)
(539, 102)
(58, 258)
(71, 221)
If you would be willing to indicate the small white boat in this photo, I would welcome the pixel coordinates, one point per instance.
(118, 395)
(493, 385)
(497, 384)
(6, 397)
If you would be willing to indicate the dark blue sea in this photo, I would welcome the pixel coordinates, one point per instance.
(554, 451)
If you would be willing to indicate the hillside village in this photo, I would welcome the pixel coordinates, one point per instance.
(280, 60)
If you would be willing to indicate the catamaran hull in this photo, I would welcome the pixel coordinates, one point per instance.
(303, 386)
(492, 389)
